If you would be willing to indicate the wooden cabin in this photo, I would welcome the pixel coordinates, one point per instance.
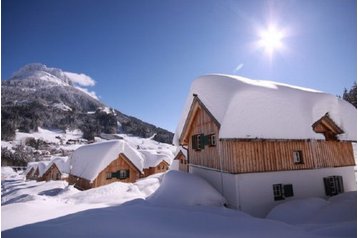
(52, 173)
(180, 158)
(261, 142)
(103, 163)
(30, 172)
(58, 169)
(155, 161)
(163, 166)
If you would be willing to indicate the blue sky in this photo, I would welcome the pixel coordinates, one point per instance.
(144, 55)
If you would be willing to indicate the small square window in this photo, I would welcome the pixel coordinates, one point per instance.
(297, 157)
(108, 175)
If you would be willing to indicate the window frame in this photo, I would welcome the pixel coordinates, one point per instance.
(297, 157)
(277, 192)
(212, 140)
(333, 185)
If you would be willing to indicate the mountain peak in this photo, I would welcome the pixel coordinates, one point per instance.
(42, 72)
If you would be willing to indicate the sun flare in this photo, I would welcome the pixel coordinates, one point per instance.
(271, 39)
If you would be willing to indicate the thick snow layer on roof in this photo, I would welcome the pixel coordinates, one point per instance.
(42, 166)
(153, 158)
(89, 160)
(248, 108)
(184, 189)
(62, 163)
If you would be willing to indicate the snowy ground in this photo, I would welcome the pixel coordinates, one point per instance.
(182, 206)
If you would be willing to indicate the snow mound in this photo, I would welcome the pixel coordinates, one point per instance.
(183, 189)
(341, 208)
(7, 173)
(338, 209)
(89, 160)
(111, 194)
(231, 99)
(297, 211)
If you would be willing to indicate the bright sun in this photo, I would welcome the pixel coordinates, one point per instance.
(271, 39)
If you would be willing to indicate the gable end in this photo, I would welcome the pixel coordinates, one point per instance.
(196, 106)
(327, 127)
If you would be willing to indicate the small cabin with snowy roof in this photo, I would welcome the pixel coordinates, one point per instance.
(57, 169)
(30, 170)
(155, 161)
(40, 168)
(106, 162)
(261, 142)
(181, 161)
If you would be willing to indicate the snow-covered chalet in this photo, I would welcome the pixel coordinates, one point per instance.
(57, 169)
(261, 142)
(111, 161)
(102, 163)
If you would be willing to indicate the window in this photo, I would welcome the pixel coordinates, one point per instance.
(108, 175)
(123, 173)
(297, 157)
(212, 140)
(282, 191)
(200, 140)
(277, 192)
(120, 174)
(333, 185)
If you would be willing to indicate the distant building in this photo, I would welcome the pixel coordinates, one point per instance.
(261, 142)
(57, 169)
(182, 161)
(102, 163)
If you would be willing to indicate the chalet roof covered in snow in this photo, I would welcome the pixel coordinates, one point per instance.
(89, 160)
(152, 158)
(62, 163)
(42, 166)
(249, 109)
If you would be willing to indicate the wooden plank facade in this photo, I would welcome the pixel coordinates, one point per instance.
(52, 173)
(183, 162)
(105, 176)
(253, 155)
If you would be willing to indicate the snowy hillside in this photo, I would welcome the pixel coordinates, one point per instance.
(40, 96)
(173, 210)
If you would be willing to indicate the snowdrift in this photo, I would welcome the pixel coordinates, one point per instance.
(183, 189)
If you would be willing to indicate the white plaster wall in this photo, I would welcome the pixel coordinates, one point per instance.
(253, 193)
(174, 165)
(223, 182)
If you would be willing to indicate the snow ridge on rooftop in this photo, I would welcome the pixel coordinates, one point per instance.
(247, 108)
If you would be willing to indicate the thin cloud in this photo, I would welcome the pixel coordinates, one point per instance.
(80, 79)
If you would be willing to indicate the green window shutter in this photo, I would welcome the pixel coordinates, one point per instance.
(115, 175)
(203, 141)
(194, 142)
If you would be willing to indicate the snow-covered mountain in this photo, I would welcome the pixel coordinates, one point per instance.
(40, 96)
